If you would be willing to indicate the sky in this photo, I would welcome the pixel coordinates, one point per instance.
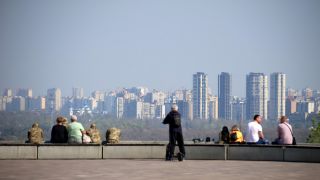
(103, 45)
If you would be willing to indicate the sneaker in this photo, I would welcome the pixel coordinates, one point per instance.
(180, 156)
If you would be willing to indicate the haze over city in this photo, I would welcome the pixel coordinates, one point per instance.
(157, 44)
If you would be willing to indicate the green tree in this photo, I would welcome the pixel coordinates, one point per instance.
(314, 136)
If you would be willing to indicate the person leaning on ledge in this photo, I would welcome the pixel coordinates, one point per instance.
(75, 131)
(59, 133)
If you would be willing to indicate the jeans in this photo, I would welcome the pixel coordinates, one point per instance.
(75, 140)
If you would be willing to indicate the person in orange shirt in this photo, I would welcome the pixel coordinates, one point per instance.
(236, 136)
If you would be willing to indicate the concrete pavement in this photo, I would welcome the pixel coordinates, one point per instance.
(156, 169)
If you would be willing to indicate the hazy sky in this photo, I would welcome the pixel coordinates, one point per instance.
(159, 44)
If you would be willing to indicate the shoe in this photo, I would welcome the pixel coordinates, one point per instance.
(180, 156)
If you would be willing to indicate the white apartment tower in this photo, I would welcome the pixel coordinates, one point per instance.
(200, 96)
(277, 96)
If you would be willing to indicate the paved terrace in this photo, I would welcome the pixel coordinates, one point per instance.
(156, 169)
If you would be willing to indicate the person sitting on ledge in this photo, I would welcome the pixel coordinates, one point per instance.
(254, 131)
(65, 122)
(113, 135)
(224, 135)
(285, 135)
(236, 136)
(35, 134)
(59, 133)
(75, 131)
(94, 134)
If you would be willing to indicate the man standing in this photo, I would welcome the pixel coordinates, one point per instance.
(175, 133)
(75, 131)
(254, 132)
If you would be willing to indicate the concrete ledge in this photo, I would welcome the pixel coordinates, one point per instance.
(302, 154)
(134, 152)
(18, 152)
(157, 151)
(70, 152)
(205, 152)
(255, 152)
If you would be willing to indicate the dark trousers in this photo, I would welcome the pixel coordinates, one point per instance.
(176, 137)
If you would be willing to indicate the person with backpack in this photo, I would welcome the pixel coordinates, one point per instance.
(236, 136)
(175, 133)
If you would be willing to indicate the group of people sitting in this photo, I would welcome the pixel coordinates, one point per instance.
(73, 133)
(255, 134)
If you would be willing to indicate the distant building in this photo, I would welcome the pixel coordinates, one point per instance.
(291, 93)
(109, 103)
(134, 109)
(185, 109)
(277, 96)
(238, 109)
(305, 107)
(98, 95)
(53, 100)
(155, 97)
(118, 107)
(291, 106)
(200, 96)
(18, 104)
(224, 95)
(26, 93)
(256, 95)
(307, 93)
(213, 107)
(8, 92)
(77, 93)
(5, 103)
(160, 112)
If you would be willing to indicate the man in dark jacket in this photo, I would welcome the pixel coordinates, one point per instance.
(175, 133)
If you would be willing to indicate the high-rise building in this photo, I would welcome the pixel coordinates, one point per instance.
(185, 109)
(77, 93)
(38, 104)
(160, 112)
(305, 107)
(307, 93)
(277, 96)
(213, 107)
(238, 109)
(118, 107)
(291, 106)
(53, 100)
(26, 93)
(200, 96)
(18, 104)
(256, 95)
(224, 94)
(8, 92)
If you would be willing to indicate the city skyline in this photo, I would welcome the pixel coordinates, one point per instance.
(158, 44)
(83, 92)
(270, 101)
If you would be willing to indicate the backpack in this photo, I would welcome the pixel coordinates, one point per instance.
(176, 120)
(233, 137)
